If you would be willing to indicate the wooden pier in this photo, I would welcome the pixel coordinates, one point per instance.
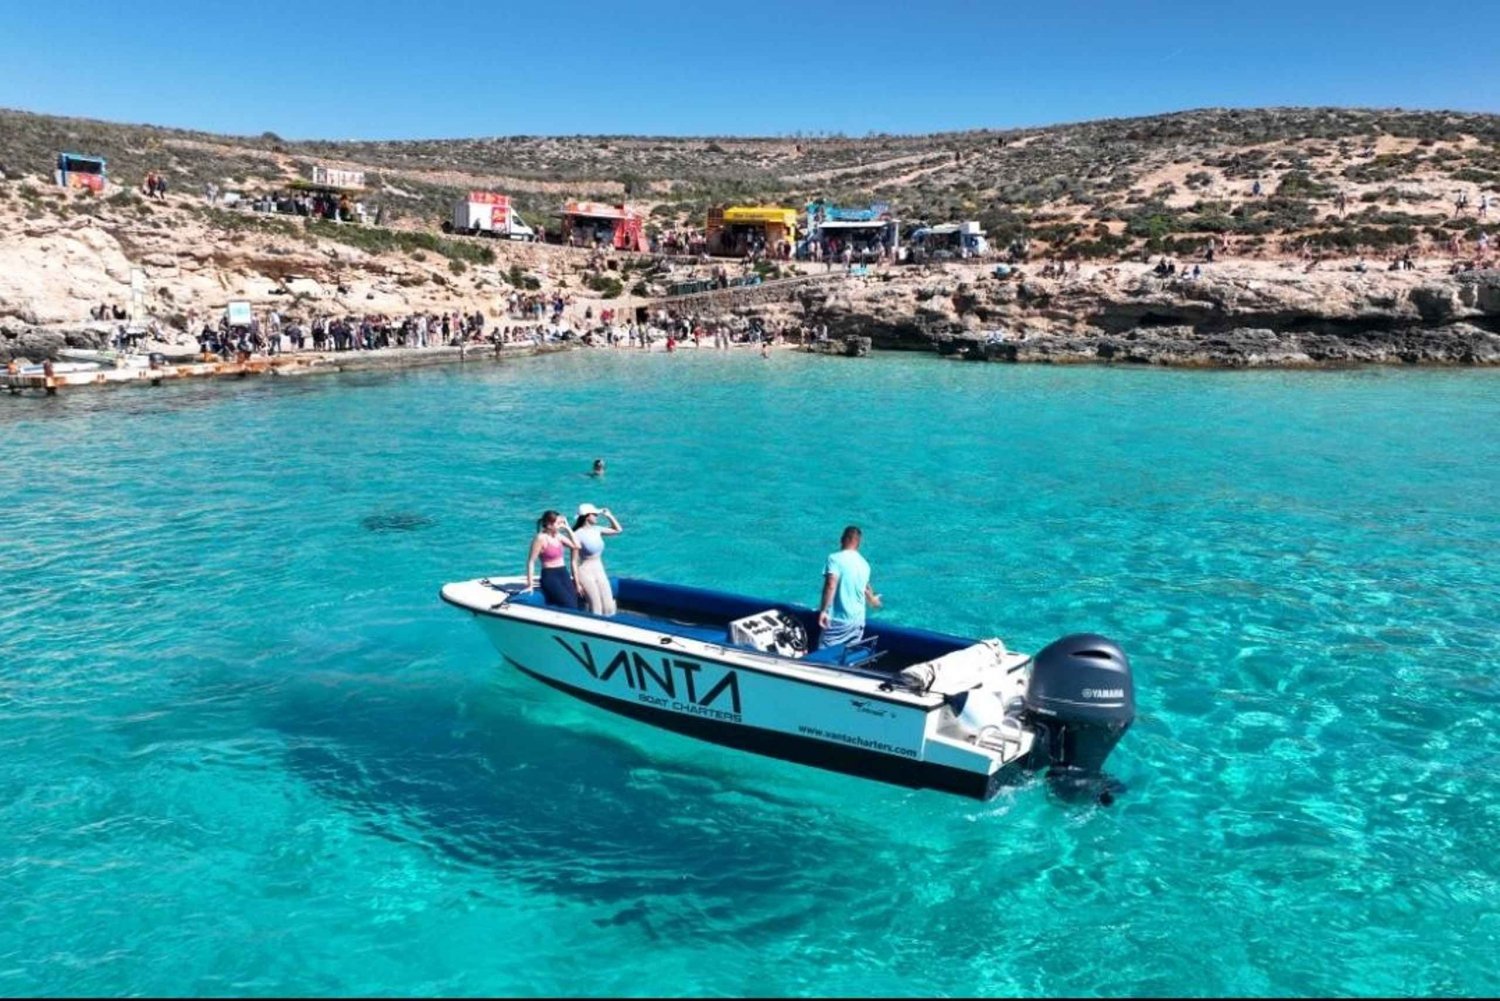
(50, 377)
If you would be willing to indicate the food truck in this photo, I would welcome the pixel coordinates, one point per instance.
(737, 230)
(332, 193)
(485, 213)
(74, 170)
(870, 232)
(596, 224)
(949, 240)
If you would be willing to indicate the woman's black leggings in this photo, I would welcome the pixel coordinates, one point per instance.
(557, 587)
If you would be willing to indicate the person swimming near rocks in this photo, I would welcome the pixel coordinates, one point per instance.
(598, 469)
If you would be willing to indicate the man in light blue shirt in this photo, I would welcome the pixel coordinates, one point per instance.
(846, 589)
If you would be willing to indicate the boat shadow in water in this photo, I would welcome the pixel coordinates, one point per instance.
(568, 809)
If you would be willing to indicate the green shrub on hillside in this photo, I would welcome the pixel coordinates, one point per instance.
(1364, 238)
(1299, 184)
(1152, 220)
(1395, 196)
(1474, 175)
(518, 278)
(1106, 245)
(1272, 215)
(606, 285)
(1055, 233)
(1373, 216)
(1386, 167)
(378, 240)
(231, 221)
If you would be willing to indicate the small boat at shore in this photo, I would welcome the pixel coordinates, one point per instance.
(56, 368)
(99, 358)
(903, 705)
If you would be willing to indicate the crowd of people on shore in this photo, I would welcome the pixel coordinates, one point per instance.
(680, 242)
(275, 333)
(719, 333)
(537, 306)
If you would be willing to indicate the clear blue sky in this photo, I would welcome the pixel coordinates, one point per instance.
(386, 69)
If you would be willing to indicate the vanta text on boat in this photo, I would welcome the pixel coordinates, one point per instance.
(904, 705)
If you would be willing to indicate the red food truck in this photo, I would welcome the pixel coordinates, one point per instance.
(595, 224)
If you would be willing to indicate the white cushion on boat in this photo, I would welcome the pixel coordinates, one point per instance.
(956, 672)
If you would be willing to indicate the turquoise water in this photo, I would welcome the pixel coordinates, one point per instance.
(245, 749)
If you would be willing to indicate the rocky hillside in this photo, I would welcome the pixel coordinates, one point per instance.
(1095, 189)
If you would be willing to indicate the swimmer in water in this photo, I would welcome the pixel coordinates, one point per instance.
(598, 469)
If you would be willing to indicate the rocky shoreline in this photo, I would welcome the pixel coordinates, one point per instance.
(1237, 317)
(1240, 317)
(1245, 347)
(35, 344)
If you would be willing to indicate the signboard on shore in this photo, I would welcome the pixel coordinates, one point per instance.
(333, 177)
(238, 313)
(823, 212)
(594, 210)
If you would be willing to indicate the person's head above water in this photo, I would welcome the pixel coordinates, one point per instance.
(598, 469)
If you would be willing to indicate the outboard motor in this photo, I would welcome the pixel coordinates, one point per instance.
(1082, 697)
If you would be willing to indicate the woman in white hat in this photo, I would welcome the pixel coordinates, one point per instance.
(588, 558)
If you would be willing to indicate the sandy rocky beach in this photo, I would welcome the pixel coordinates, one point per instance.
(1236, 313)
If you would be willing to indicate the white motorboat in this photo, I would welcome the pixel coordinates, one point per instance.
(56, 368)
(904, 705)
(98, 357)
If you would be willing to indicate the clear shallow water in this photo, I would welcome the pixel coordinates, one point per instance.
(245, 749)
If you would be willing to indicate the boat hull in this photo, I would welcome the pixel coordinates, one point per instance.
(680, 686)
(793, 747)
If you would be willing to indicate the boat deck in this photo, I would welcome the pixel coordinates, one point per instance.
(706, 616)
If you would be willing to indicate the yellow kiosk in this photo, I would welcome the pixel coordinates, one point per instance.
(738, 230)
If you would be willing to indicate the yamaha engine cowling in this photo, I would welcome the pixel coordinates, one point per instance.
(1082, 696)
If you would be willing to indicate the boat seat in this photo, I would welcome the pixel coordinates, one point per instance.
(707, 634)
(687, 630)
(860, 653)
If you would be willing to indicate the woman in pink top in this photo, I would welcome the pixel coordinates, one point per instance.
(549, 544)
